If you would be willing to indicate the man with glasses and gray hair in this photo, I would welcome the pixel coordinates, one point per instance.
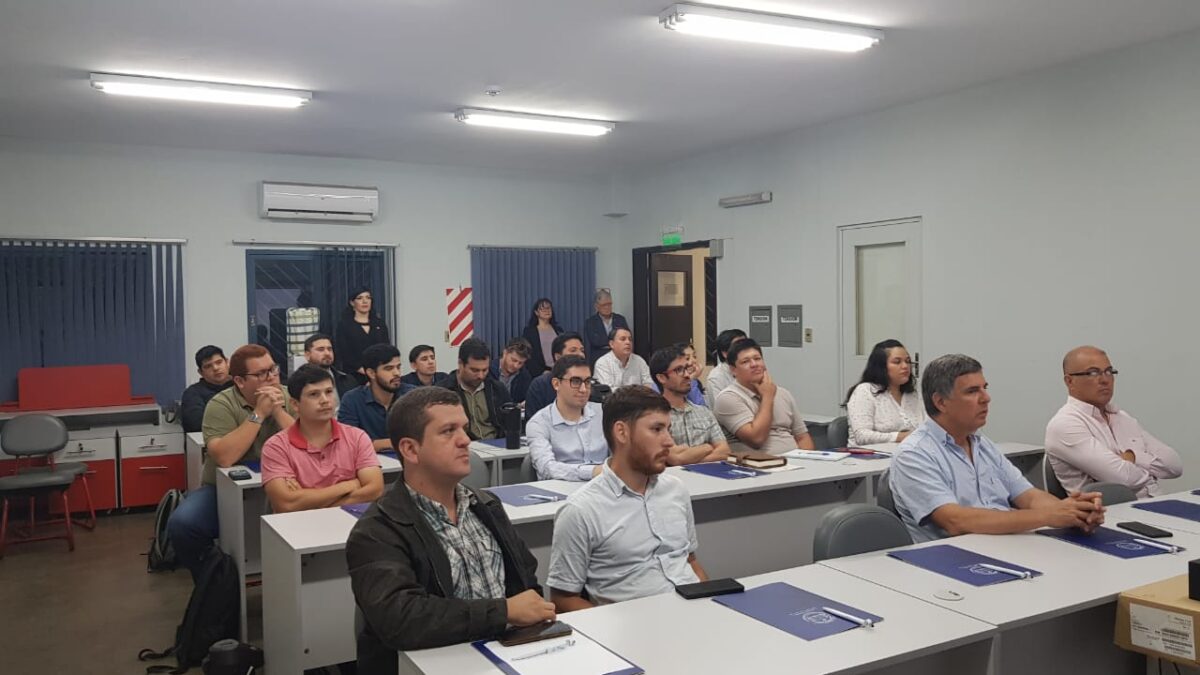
(1090, 439)
(598, 326)
(948, 479)
(566, 438)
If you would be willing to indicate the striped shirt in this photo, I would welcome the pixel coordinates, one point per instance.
(476, 561)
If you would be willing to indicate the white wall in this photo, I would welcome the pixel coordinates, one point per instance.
(1059, 208)
(210, 198)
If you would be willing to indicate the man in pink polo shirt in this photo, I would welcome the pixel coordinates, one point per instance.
(318, 462)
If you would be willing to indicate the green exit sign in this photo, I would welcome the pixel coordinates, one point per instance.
(672, 236)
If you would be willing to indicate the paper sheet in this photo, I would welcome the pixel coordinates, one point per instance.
(585, 657)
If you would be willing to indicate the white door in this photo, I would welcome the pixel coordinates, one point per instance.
(880, 292)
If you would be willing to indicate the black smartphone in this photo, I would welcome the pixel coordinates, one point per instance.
(708, 589)
(541, 631)
(1144, 530)
(241, 474)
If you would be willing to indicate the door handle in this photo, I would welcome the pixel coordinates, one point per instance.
(152, 468)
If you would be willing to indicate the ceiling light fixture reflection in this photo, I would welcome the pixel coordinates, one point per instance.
(505, 119)
(765, 28)
(199, 92)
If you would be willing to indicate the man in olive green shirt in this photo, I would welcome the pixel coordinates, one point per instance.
(237, 422)
(482, 396)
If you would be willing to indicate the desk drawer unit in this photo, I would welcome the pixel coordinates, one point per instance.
(151, 465)
(100, 455)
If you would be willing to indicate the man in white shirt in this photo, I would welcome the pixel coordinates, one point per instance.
(1090, 439)
(566, 438)
(759, 414)
(630, 532)
(621, 367)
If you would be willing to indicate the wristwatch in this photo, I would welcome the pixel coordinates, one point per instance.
(254, 418)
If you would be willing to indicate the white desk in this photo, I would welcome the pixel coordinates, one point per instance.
(308, 606)
(667, 634)
(1124, 512)
(239, 506)
(193, 454)
(497, 457)
(1056, 623)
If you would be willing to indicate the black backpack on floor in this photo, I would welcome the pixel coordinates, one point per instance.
(212, 614)
(161, 557)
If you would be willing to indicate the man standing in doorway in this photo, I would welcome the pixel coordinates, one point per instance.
(598, 326)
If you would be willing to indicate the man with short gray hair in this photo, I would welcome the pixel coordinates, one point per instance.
(948, 480)
(598, 326)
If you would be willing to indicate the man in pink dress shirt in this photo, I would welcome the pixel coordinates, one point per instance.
(318, 462)
(1089, 439)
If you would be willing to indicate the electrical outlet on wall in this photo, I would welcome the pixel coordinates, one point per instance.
(808, 335)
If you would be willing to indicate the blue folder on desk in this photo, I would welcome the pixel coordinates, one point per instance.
(793, 610)
(961, 564)
(1106, 540)
(1173, 507)
(252, 464)
(723, 470)
(357, 510)
(391, 453)
(525, 495)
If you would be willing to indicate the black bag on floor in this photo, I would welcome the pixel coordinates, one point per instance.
(211, 615)
(161, 557)
(230, 657)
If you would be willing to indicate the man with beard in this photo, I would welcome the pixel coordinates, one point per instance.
(214, 379)
(318, 350)
(629, 532)
(698, 437)
(318, 462)
(482, 396)
(366, 407)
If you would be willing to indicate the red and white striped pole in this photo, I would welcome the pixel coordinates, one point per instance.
(460, 312)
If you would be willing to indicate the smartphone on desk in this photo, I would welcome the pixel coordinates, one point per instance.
(541, 631)
(708, 589)
(1144, 529)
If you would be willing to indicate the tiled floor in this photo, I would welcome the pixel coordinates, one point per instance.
(91, 610)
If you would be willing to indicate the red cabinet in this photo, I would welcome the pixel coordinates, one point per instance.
(100, 456)
(151, 464)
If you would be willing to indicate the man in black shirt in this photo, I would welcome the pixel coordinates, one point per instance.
(214, 378)
(318, 350)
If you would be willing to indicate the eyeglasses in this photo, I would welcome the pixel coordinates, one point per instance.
(579, 382)
(1096, 372)
(682, 370)
(264, 374)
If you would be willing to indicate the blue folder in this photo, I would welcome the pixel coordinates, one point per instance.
(524, 495)
(724, 470)
(356, 510)
(1172, 507)
(391, 453)
(960, 564)
(252, 464)
(793, 610)
(1106, 540)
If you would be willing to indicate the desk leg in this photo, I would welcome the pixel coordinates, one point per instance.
(232, 523)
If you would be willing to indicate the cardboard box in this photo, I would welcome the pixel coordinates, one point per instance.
(1159, 620)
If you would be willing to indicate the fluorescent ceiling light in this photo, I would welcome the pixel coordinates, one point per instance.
(203, 92)
(771, 29)
(504, 119)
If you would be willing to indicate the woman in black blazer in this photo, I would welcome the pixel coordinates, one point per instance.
(540, 331)
(359, 328)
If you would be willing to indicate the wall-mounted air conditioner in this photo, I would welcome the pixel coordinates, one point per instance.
(298, 201)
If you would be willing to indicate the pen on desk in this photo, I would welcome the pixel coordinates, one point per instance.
(541, 498)
(550, 650)
(1169, 548)
(743, 472)
(863, 623)
(1020, 574)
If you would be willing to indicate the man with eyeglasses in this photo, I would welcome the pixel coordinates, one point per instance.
(698, 437)
(566, 439)
(1090, 439)
(237, 422)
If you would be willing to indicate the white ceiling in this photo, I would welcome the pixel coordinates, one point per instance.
(387, 74)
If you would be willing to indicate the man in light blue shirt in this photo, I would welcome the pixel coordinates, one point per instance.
(630, 532)
(949, 480)
(566, 438)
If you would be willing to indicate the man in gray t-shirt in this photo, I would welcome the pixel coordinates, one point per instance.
(629, 532)
(757, 413)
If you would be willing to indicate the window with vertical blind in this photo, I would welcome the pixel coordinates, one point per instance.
(506, 281)
(81, 303)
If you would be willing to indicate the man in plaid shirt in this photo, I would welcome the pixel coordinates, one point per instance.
(698, 437)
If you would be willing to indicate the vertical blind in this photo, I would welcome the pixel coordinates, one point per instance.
(70, 303)
(507, 281)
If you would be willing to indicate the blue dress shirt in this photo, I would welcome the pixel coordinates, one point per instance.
(563, 449)
(930, 470)
(360, 409)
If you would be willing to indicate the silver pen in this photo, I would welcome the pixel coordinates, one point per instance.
(1159, 545)
(863, 623)
(742, 472)
(541, 498)
(1016, 573)
(549, 650)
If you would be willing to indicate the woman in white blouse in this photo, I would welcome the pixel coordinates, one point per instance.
(884, 407)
